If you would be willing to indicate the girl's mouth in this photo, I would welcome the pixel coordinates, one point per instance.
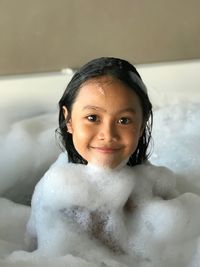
(105, 149)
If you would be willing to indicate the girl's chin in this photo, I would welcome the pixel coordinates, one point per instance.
(108, 165)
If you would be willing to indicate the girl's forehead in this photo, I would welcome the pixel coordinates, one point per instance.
(107, 92)
(97, 85)
(105, 85)
(101, 81)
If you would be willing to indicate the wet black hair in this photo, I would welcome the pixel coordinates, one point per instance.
(118, 69)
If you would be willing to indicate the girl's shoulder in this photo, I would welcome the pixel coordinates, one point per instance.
(150, 170)
(160, 179)
(61, 160)
(61, 177)
(53, 174)
(61, 169)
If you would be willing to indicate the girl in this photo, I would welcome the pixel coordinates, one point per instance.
(90, 193)
(118, 85)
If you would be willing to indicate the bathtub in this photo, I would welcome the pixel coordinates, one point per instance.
(28, 116)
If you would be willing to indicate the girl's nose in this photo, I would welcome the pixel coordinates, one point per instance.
(107, 132)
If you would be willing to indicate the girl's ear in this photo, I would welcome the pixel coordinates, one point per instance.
(68, 121)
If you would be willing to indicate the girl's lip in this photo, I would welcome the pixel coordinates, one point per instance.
(106, 149)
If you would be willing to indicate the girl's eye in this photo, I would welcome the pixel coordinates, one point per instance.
(124, 121)
(93, 118)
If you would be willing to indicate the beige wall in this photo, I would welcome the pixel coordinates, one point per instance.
(48, 35)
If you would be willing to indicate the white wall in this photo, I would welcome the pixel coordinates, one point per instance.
(29, 95)
(169, 83)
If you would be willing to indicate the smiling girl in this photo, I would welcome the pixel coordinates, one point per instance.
(105, 113)
(106, 122)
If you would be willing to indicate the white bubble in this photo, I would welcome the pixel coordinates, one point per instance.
(89, 216)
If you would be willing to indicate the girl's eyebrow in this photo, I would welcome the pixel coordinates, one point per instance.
(131, 110)
(93, 107)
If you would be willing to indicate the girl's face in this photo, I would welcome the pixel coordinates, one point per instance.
(106, 122)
